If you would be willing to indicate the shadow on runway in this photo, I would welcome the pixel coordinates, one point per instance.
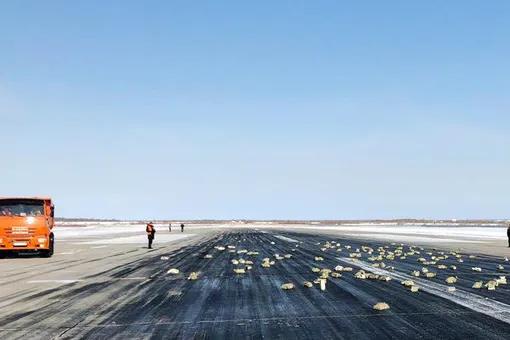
(19, 255)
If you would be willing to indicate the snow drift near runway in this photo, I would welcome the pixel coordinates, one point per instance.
(488, 233)
(410, 238)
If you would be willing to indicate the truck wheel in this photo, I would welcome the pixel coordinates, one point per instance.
(49, 252)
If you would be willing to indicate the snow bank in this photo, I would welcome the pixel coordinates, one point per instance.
(491, 233)
(411, 239)
(447, 232)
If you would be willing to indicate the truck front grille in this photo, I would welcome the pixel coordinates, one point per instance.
(19, 232)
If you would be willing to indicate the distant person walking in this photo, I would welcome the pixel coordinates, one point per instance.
(182, 227)
(170, 227)
(150, 233)
(508, 234)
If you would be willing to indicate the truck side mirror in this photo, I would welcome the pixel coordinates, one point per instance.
(52, 212)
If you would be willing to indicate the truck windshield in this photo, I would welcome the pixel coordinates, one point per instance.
(21, 208)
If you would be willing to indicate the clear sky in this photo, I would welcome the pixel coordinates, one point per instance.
(257, 109)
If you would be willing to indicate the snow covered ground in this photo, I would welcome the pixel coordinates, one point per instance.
(410, 238)
(94, 229)
(63, 232)
(288, 239)
(489, 233)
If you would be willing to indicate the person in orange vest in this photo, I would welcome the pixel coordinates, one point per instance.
(150, 233)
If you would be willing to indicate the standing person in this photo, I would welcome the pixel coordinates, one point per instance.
(170, 227)
(150, 233)
(182, 227)
(508, 234)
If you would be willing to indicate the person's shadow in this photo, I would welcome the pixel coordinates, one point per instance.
(152, 249)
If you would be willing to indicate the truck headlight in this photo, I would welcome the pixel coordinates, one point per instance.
(41, 240)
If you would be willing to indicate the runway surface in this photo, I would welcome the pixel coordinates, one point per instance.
(96, 290)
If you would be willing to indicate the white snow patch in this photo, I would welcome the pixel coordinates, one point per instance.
(54, 281)
(88, 223)
(403, 238)
(96, 230)
(109, 228)
(139, 239)
(288, 239)
(90, 230)
(490, 233)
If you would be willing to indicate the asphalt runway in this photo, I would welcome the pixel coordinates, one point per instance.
(123, 291)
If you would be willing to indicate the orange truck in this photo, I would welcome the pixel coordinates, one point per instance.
(26, 225)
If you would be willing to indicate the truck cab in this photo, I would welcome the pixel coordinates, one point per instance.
(26, 225)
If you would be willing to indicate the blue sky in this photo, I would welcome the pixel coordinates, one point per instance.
(266, 109)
